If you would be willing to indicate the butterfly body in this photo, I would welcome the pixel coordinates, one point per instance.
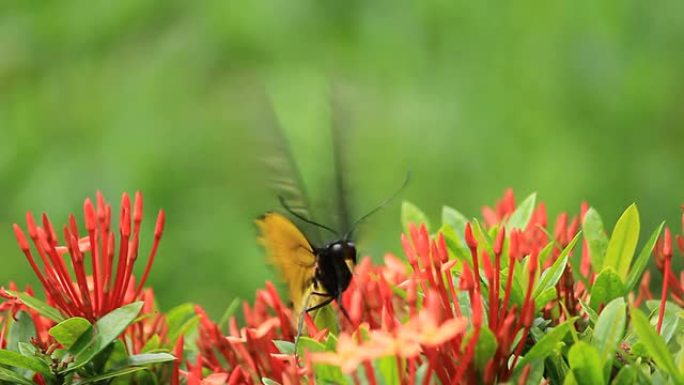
(333, 269)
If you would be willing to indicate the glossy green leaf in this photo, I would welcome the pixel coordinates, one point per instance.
(593, 316)
(456, 221)
(626, 376)
(68, 331)
(607, 287)
(485, 347)
(421, 372)
(109, 375)
(268, 381)
(545, 297)
(284, 347)
(180, 320)
(596, 237)
(152, 345)
(149, 359)
(41, 307)
(13, 377)
(454, 245)
(387, 368)
(305, 344)
(230, 311)
(21, 330)
(552, 275)
(326, 318)
(637, 270)
(546, 344)
(410, 213)
(523, 213)
(100, 335)
(31, 363)
(609, 329)
(673, 319)
(585, 364)
(622, 243)
(655, 346)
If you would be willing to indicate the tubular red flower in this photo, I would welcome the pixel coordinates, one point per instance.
(89, 294)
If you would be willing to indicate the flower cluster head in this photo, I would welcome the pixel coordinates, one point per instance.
(102, 278)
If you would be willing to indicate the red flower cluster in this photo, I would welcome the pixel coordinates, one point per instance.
(246, 355)
(110, 283)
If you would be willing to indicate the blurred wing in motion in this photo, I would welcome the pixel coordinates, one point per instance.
(290, 252)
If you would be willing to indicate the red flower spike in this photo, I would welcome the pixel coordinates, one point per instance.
(667, 271)
(667, 243)
(470, 239)
(498, 243)
(178, 352)
(158, 232)
(408, 249)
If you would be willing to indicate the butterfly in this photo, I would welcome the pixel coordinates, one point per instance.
(316, 272)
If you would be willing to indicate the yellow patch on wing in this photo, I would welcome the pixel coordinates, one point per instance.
(290, 252)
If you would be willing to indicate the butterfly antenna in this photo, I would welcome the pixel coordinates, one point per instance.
(378, 207)
(304, 219)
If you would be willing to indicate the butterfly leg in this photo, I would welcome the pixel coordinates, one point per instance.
(300, 323)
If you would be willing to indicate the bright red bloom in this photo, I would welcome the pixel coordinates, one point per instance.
(110, 283)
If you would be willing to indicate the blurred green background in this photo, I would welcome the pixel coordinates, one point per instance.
(575, 100)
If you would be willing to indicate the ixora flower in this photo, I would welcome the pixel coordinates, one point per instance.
(110, 283)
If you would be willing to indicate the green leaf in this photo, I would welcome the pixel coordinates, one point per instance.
(387, 368)
(22, 329)
(622, 243)
(523, 213)
(545, 297)
(552, 275)
(607, 287)
(109, 375)
(609, 330)
(17, 360)
(268, 381)
(180, 319)
(305, 344)
(421, 372)
(485, 347)
(593, 316)
(456, 221)
(230, 311)
(585, 364)
(326, 318)
(410, 213)
(655, 346)
(13, 377)
(546, 345)
(634, 276)
(152, 344)
(68, 331)
(149, 359)
(454, 245)
(284, 347)
(671, 319)
(596, 237)
(41, 307)
(626, 376)
(100, 335)
(26, 349)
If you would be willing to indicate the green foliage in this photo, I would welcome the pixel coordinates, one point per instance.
(523, 213)
(622, 243)
(411, 214)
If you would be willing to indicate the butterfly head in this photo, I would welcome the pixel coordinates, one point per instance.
(343, 250)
